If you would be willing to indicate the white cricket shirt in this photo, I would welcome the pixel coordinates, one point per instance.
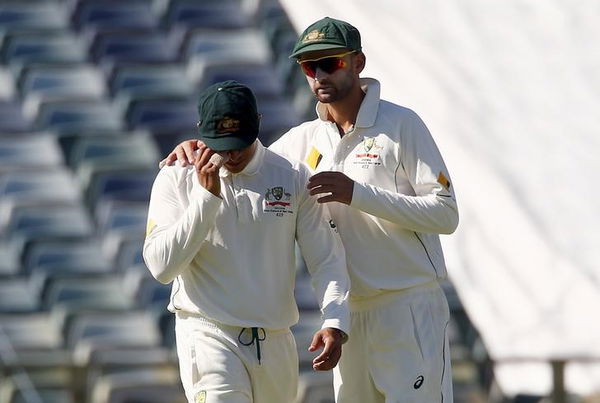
(232, 260)
(403, 196)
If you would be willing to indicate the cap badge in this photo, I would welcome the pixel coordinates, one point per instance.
(313, 36)
(228, 125)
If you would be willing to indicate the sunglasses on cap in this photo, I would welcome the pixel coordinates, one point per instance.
(329, 64)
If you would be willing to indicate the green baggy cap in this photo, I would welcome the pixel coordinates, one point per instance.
(228, 116)
(327, 33)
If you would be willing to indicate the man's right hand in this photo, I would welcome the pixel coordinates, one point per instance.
(208, 173)
(184, 152)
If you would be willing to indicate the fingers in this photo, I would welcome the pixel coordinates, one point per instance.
(181, 156)
(329, 358)
(188, 148)
(322, 189)
(332, 350)
(335, 185)
(202, 158)
(317, 342)
(324, 178)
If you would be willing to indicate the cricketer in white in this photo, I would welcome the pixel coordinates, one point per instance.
(232, 263)
(233, 258)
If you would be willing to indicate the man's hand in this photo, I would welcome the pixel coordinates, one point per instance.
(184, 152)
(331, 340)
(208, 173)
(337, 186)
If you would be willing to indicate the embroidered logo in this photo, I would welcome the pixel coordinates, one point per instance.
(313, 36)
(228, 125)
(333, 226)
(277, 200)
(200, 397)
(419, 382)
(369, 153)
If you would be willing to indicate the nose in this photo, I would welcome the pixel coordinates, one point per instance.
(320, 74)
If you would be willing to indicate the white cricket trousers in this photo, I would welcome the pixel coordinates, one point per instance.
(398, 349)
(220, 364)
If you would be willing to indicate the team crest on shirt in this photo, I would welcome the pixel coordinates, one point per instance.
(278, 200)
(368, 153)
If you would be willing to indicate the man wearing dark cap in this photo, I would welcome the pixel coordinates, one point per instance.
(225, 237)
(386, 184)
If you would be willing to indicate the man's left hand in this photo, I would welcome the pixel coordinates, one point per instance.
(331, 341)
(338, 187)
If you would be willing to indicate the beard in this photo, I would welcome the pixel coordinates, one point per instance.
(326, 91)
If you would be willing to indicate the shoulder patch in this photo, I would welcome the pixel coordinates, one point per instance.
(313, 158)
(442, 180)
(150, 226)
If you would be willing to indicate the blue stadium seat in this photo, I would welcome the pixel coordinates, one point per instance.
(142, 81)
(28, 48)
(17, 153)
(93, 154)
(81, 294)
(26, 186)
(89, 332)
(163, 114)
(206, 14)
(141, 47)
(48, 395)
(152, 385)
(41, 84)
(31, 331)
(61, 257)
(226, 45)
(44, 221)
(278, 116)
(10, 264)
(28, 16)
(12, 118)
(78, 117)
(19, 295)
(129, 252)
(121, 185)
(259, 77)
(102, 15)
(123, 218)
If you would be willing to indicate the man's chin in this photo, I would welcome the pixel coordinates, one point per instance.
(325, 98)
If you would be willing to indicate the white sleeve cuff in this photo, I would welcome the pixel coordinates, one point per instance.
(337, 324)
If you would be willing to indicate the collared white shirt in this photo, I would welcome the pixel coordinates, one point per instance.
(232, 259)
(403, 196)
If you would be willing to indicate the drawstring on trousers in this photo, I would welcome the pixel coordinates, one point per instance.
(255, 337)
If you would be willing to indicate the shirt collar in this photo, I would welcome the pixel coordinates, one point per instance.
(367, 113)
(253, 166)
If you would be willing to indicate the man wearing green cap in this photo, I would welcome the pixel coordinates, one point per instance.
(226, 239)
(388, 188)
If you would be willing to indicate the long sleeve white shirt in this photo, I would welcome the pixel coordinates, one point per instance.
(403, 196)
(232, 259)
